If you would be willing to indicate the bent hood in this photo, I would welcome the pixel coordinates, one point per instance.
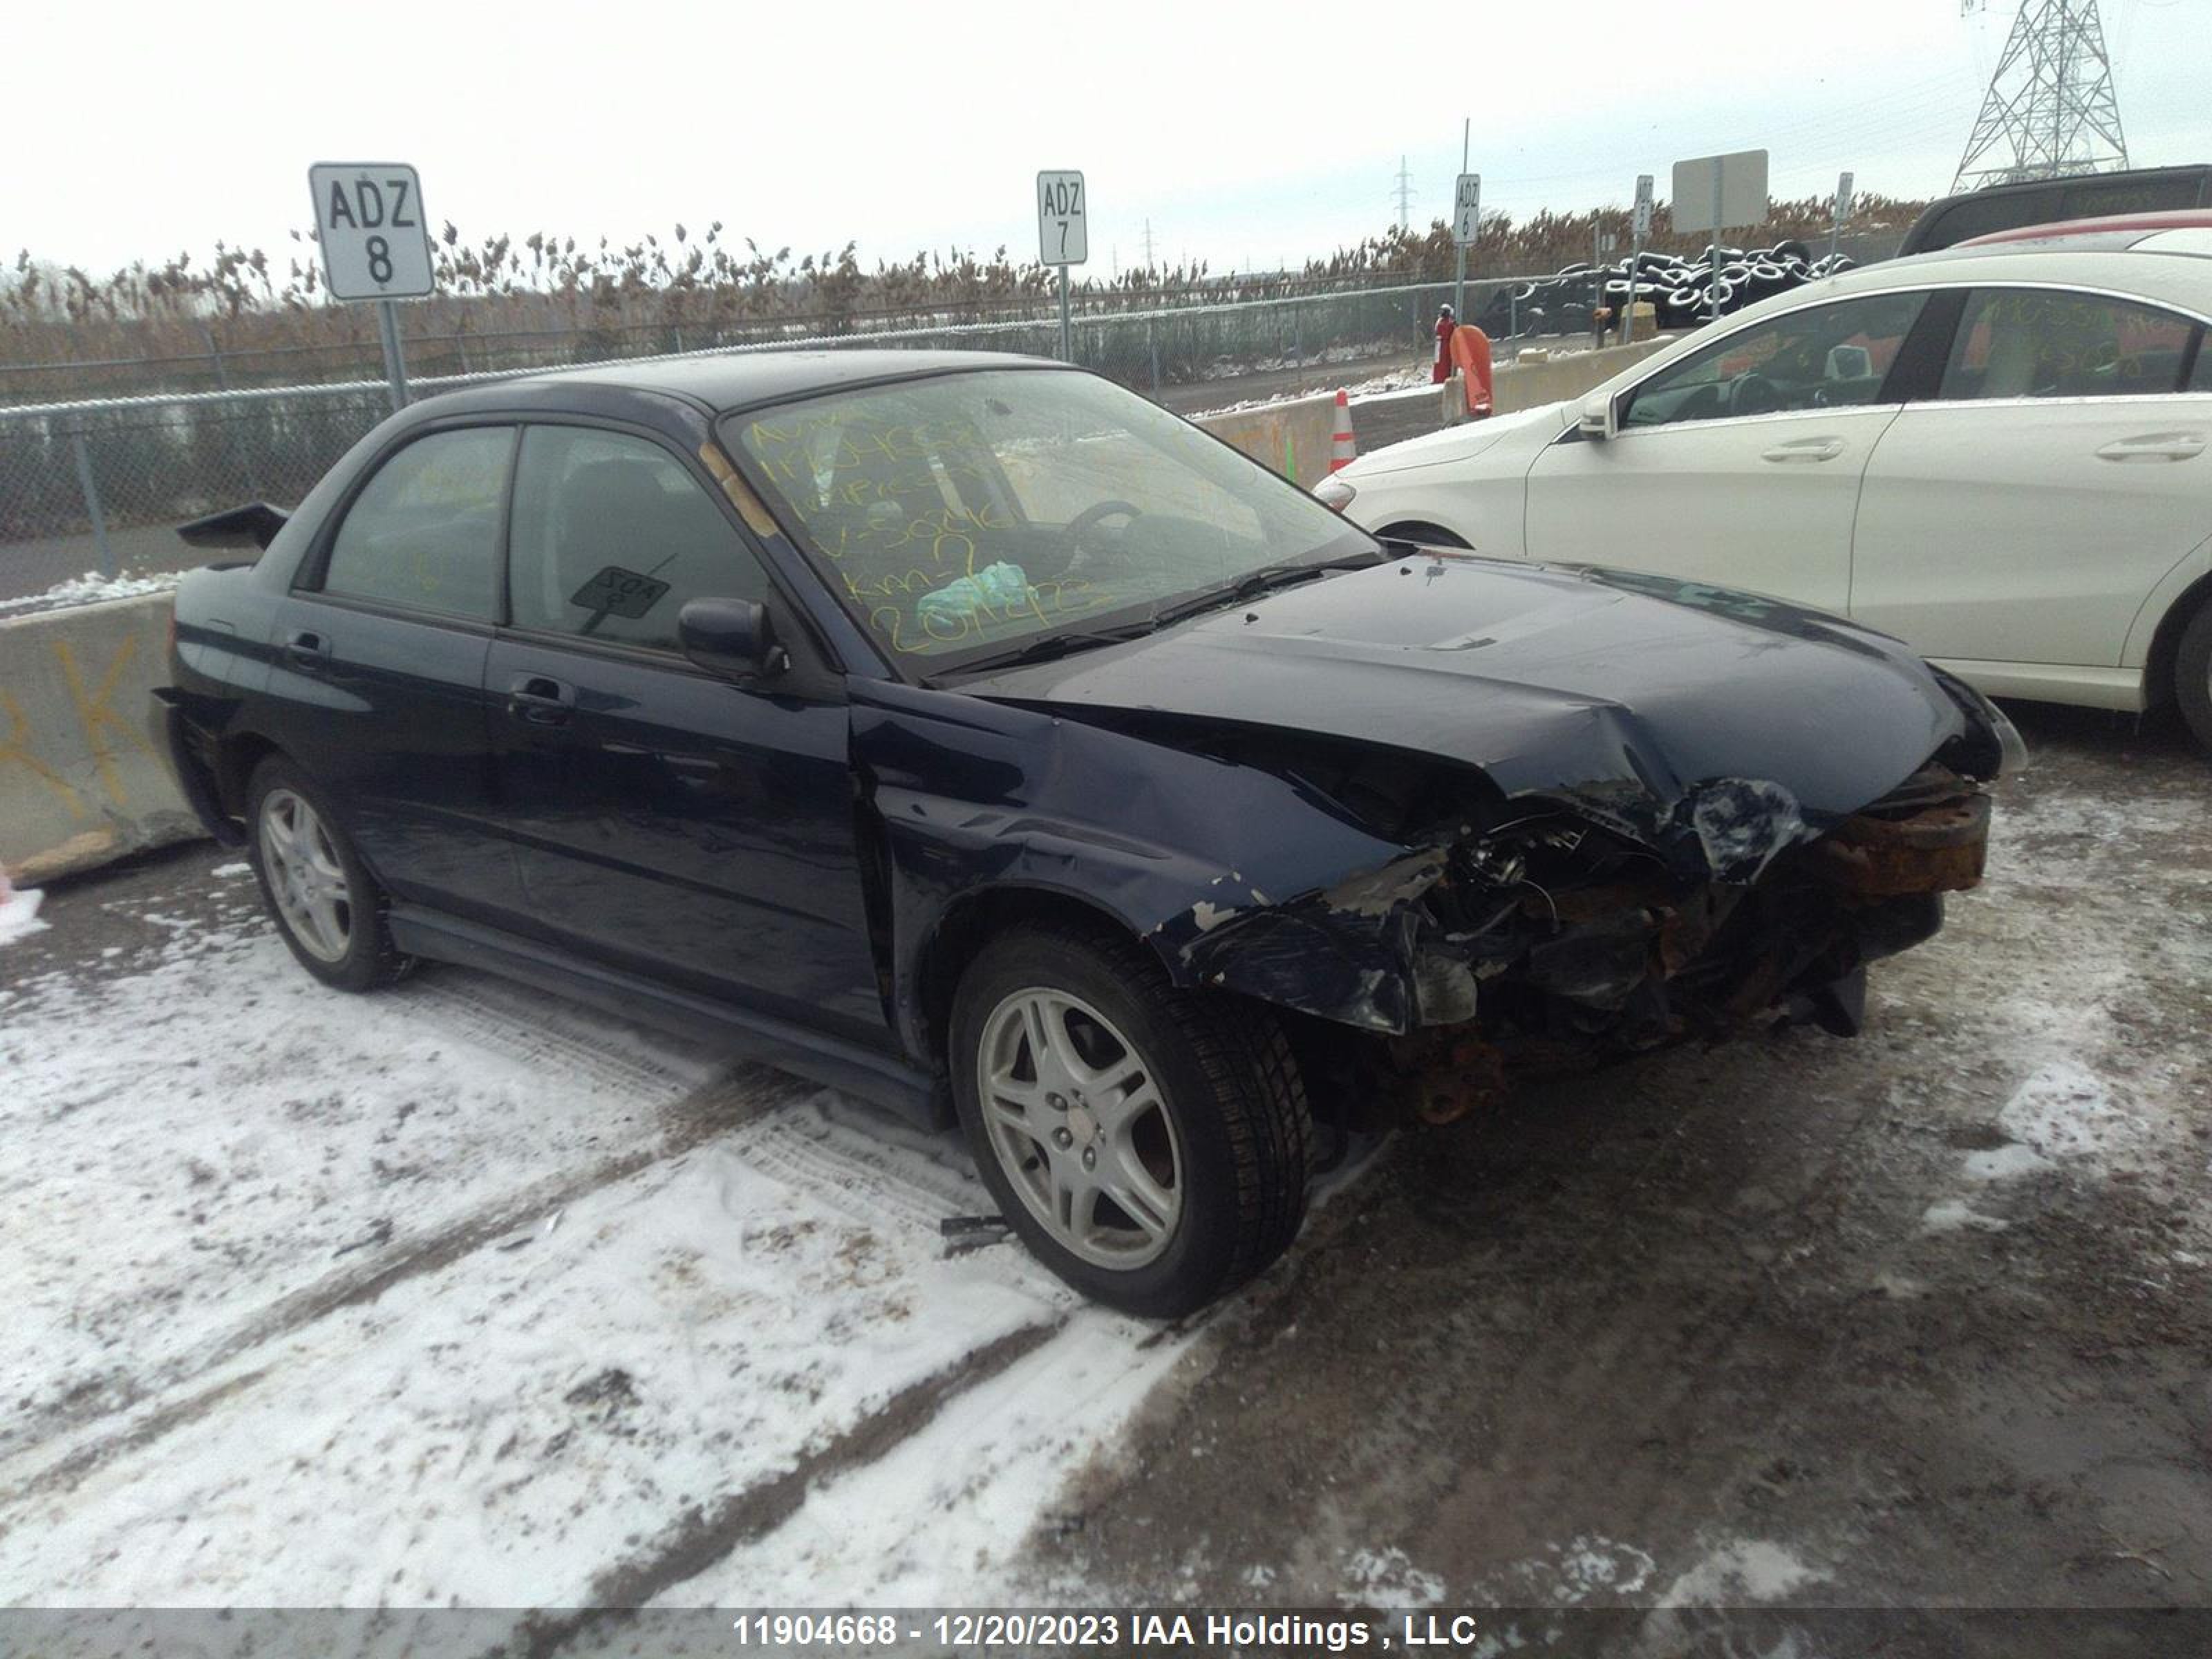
(1631, 694)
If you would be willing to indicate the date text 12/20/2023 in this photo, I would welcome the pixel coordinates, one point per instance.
(1197, 1631)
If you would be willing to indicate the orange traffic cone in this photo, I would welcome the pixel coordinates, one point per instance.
(1341, 449)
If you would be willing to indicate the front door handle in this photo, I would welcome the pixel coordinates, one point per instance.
(539, 699)
(2154, 447)
(1806, 449)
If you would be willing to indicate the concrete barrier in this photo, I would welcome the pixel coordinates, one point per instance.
(1290, 438)
(1395, 416)
(1529, 384)
(80, 782)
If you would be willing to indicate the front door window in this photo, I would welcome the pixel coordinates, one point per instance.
(1825, 356)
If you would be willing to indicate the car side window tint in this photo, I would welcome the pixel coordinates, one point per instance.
(2200, 379)
(425, 530)
(611, 536)
(2041, 343)
(1825, 355)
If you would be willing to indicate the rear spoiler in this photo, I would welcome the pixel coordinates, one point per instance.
(253, 525)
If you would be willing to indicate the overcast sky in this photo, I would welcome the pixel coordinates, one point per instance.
(1249, 134)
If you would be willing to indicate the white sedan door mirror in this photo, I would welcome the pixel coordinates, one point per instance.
(1597, 420)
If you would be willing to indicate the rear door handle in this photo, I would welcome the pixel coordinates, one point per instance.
(307, 648)
(1806, 449)
(539, 699)
(2154, 447)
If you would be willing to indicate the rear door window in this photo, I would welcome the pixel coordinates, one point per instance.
(424, 531)
(2046, 342)
(613, 537)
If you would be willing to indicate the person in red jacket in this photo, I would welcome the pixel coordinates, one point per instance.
(1444, 326)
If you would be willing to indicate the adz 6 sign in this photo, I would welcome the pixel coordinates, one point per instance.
(368, 217)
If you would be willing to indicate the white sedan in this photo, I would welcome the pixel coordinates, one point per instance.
(1996, 453)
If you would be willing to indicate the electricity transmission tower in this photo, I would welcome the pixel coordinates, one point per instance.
(2050, 110)
(1404, 191)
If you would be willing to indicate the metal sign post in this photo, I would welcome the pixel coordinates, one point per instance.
(1640, 232)
(1713, 288)
(373, 232)
(1730, 189)
(1842, 212)
(1063, 237)
(395, 360)
(1467, 222)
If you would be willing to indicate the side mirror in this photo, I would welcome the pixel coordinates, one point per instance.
(1596, 420)
(733, 638)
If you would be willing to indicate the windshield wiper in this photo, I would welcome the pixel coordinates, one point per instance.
(1265, 580)
(1046, 649)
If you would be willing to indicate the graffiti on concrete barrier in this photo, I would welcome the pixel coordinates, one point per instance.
(103, 731)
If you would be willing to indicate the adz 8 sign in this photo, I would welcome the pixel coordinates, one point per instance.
(369, 219)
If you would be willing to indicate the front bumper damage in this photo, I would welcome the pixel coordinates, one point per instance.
(1568, 930)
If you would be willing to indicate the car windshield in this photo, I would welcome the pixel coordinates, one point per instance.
(965, 514)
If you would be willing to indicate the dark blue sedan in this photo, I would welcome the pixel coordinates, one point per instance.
(971, 734)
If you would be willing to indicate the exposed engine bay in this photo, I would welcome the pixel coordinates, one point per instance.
(1534, 931)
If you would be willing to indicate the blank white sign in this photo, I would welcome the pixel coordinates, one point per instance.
(1742, 179)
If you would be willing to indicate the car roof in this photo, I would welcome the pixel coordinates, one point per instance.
(2120, 229)
(750, 379)
(2109, 260)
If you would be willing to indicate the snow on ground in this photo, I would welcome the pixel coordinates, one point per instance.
(458, 1293)
(1739, 1571)
(19, 912)
(88, 589)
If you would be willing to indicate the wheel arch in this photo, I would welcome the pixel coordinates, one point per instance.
(237, 755)
(1425, 531)
(2166, 640)
(969, 920)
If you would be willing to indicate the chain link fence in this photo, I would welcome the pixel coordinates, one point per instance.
(91, 487)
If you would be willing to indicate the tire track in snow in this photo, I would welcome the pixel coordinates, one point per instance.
(703, 1537)
(715, 1108)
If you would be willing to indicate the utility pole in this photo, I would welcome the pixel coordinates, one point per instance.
(1148, 246)
(1404, 192)
(2051, 111)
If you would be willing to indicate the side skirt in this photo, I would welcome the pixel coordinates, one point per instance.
(887, 1081)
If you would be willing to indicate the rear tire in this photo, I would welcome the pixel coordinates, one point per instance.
(1191, 1105)
(321, 895)
(2192, 675)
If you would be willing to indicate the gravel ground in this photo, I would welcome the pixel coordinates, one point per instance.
(458, 1295)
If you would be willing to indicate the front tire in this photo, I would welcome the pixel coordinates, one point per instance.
(324, 901)
(1152, 1147)
(2192, 675)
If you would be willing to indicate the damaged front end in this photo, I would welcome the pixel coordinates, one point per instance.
(1568, 927)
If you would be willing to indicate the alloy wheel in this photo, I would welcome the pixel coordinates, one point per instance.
(305, 878)
(1078, 1121)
